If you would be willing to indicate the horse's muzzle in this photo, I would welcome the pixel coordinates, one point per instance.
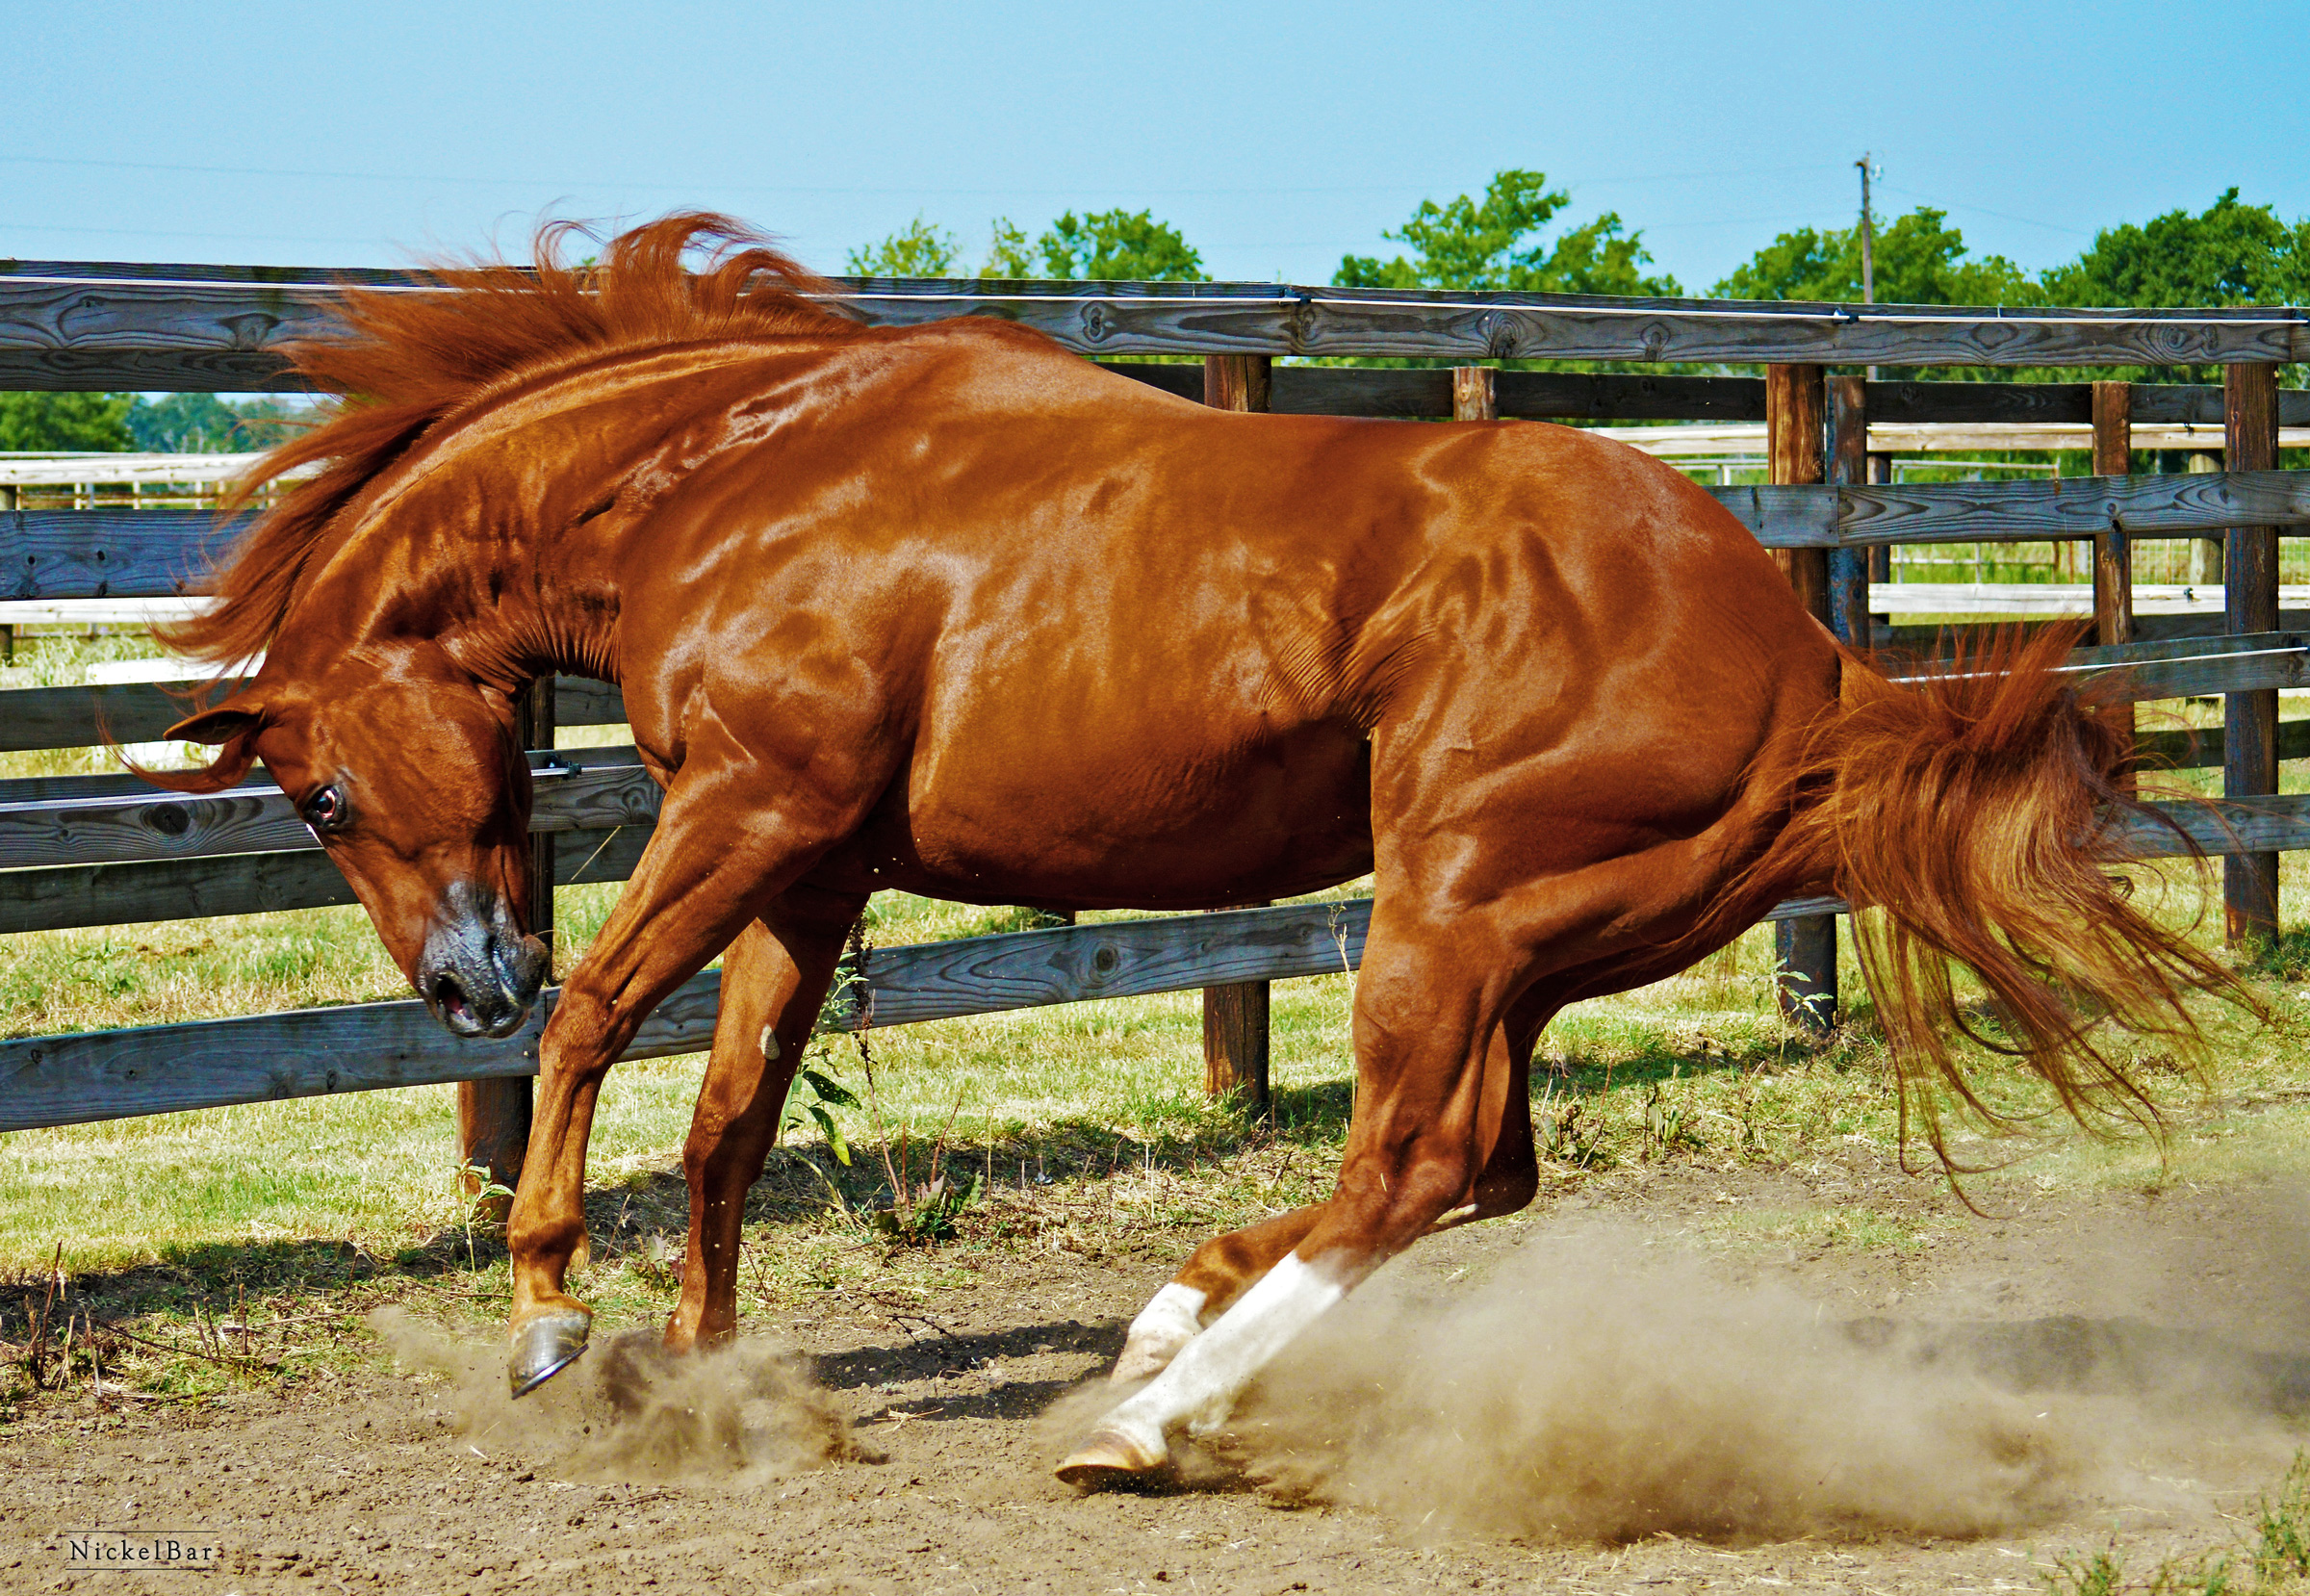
(477, 970)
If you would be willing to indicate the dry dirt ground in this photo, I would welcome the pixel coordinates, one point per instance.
(1607, 1395)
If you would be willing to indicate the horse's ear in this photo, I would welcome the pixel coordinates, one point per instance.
(239, 714)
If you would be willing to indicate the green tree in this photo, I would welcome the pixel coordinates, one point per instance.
(1009, 255)
(2233, 254)
(918, 250)
(1114, 246)
(202, 424)
(67, 423)
(1100, 245)
(1118, 245)
(1919, 260)
(1496, 243)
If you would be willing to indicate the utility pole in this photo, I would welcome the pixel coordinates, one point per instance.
(1868, 244)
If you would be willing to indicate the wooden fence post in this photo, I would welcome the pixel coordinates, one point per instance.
(2112, 550)
(8, 633)
(1474, 394)
(2113, 546)
(1238, 381)
(1235, 1016)
(2205, 552)
(492, 1116)
(2250, 732)
(1881, 554)
(1794, 400)
(1849, 463)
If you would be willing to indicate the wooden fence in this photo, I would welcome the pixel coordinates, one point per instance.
(108, 850)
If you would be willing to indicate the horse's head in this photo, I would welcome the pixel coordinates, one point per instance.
(409, 773)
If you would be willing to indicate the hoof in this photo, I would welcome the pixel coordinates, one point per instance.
(545, 1347)
(1113, 1452)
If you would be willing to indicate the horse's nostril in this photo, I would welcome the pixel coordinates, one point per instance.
(520, 964)
(450, 997)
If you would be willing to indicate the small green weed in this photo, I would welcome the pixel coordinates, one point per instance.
(1565, 1130)
(924, 1205)
(479, 1197)
(2285, 958)
(1666, 1118)
(2275, 1562)
(2283, 1554)
(826, 1094)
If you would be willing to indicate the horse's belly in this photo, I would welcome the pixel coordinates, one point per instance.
(1289, 817)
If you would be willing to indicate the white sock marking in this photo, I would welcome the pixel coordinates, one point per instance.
(1201, 1384)
(1172, 1318)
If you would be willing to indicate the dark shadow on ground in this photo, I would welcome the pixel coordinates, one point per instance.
(218, 1277)
(936, 1356)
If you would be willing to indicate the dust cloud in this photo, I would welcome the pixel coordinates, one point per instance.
(1592, 1389)
(628, 1411)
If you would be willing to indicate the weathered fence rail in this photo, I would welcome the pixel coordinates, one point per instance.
(164, 554)
(140, 712)
(369, 1047)
(68, 326)
(81, 851)
(576, 789)
(1426, 393)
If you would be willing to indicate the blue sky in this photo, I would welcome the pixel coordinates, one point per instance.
(1276, 137)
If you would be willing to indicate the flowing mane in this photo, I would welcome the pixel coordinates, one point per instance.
(409, 361)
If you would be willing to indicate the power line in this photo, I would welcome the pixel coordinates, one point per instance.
(1730, 221)
(1695, 176)
(694, 185)
(1984, 210)
(373, 240)
(691, 186)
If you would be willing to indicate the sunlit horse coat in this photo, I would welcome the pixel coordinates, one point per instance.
(949, 610)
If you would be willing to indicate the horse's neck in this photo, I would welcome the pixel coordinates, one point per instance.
(492, 605)
(520, 602)
(546, 632)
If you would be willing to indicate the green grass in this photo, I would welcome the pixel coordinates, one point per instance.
(2277, 1560)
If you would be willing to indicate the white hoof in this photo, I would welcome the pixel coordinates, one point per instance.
(1163, 1328)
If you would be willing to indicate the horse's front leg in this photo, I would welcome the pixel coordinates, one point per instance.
(718, 859)
(774, 981)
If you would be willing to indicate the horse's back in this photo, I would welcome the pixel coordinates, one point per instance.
(1169, 635)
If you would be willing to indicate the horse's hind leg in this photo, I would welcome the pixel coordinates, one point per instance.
(774, 979)
(1212, 1278)
(1508, 1177)
(1224, 1267)
(1424, 1031)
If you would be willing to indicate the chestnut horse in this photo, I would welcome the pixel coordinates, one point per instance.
(948, 610)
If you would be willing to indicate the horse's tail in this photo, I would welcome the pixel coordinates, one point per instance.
(1974, 815)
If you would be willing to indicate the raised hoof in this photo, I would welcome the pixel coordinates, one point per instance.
(1110, 1454)
(544, 1348)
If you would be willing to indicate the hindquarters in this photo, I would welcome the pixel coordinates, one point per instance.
(1603, 656)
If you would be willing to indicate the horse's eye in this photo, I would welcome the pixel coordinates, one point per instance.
(324, 811)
